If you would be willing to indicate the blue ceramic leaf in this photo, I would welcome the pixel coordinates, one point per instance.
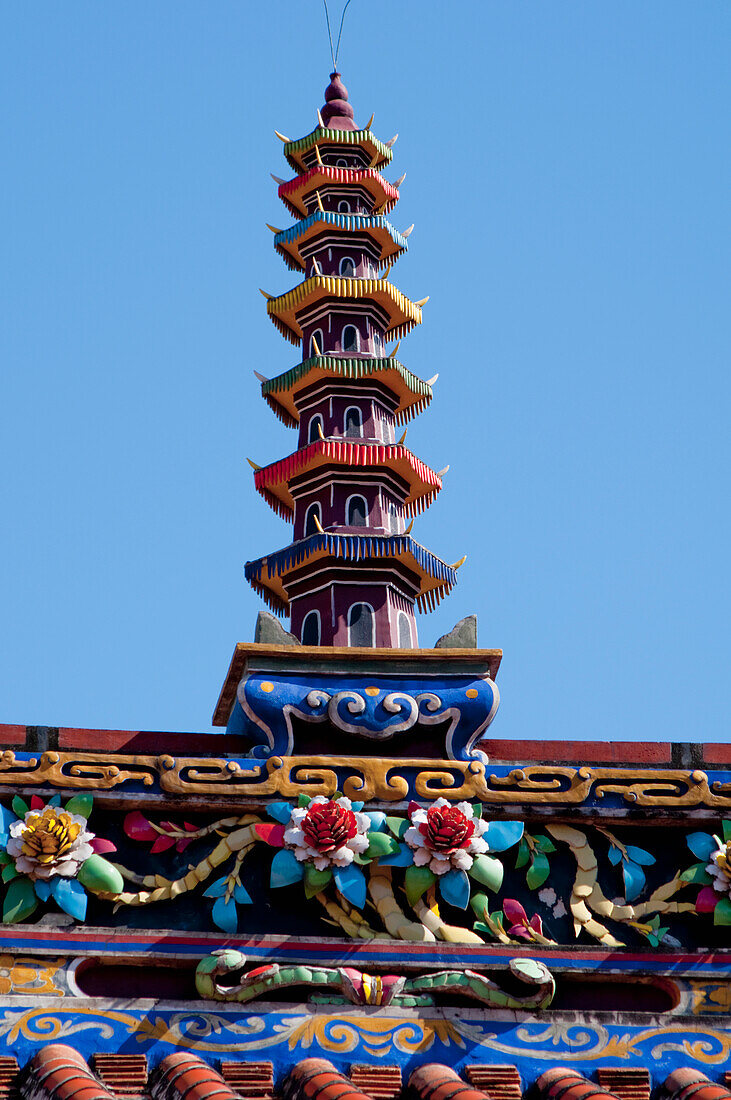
(357, 806)
(378, 821)
(286, 869)
(7, 817)
(351, 883)
(639, 855)
(217, 889)
(455, 888)
(70, 896)
(225, 916)
(55, 801)
(503, 834)
(701, 845)
(614, 855)
(634, 879)
(280, 811)
(403, 858)
(242, 895)
(42, 888)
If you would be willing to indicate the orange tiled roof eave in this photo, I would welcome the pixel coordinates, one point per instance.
(403, 313)
(292, 192)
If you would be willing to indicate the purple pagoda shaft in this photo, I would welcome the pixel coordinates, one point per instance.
(352, 576)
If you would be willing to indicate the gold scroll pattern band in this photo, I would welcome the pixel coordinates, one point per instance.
(366, 779)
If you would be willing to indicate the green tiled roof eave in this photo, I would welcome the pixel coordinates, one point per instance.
(342, 137)
(346, 368)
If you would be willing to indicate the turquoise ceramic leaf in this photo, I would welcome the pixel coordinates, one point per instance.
(503, 834)
(455, 888)
(701, 845)
(280, 811)
(351, 883)
(70, 896)
(225, 916)
(286, 869)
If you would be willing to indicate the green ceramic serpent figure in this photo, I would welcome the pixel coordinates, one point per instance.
(219, 977)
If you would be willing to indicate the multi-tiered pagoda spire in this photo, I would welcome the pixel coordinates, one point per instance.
(352, 574)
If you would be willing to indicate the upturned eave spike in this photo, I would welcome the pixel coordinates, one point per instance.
(319, 119)
(319, 430)
(381, 209)
(441, 473)
(422, 301)
(313, 341)
(319, 202)
(253, 464)
(261, 377)
(403, 437)
(400, 180)
(318, 525)
(267, 296)
(460, 563)
(409, 231)
(369, 123)
(277, 179)
(282, 137)
(410, 528)
(273, 228)
(392, 353)
(431, 381)
(387, 272)
(317, 155)
(391, 142)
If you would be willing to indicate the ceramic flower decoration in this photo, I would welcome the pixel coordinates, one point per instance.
(49, 841)
(47, 851)
(712, 873)
(444, 836)
(720, 867)
(327, 833)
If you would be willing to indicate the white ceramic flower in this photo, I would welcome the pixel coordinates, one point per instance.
(49, 842)
(720, 867)
(327, 833)
(445, 836)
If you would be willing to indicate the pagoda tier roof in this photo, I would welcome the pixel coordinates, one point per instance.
(403, 313)
(280, 393)
(292, 192)
(273, 481)
(378, 152)
(267, 575)
(289, 241)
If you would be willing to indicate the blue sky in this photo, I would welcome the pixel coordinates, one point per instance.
(569, 176)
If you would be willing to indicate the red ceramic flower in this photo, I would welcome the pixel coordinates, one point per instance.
(445, 837)
(446, 828)
(328, 826)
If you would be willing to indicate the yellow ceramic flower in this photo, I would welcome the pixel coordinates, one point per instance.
(49, 842)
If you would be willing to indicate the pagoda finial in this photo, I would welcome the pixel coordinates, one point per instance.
(337, 114)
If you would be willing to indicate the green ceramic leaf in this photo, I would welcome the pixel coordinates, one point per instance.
(20, 901)
(523, 854)
(722, 912)
(488, 871)
(397, 825)
(9, 873)
(544, 843)
(538, 871)
(726, 826)
(316, 881)
(80, 804)
(479, 904)
(19, 806)
(480, 926)
(417, 881)
(381, 844)
(99, 875)
(477, 809)
(4, 858)
(696, 873)
(303, 801)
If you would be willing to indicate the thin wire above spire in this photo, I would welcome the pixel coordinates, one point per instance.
(334, 51)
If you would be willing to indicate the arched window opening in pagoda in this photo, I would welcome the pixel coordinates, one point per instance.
(312, 432)
(405, 640)
(311, 628)
(341, 162)
(343, 207)
(361, 625)
(314, 511)
(356, 511)
(353, 422)
(347, 267)
(316, 338)
(351, 338)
